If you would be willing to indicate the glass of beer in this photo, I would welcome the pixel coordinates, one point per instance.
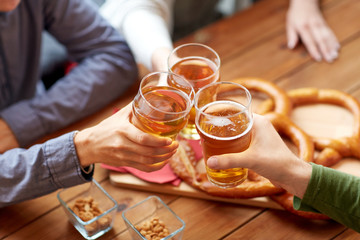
(224, 122)
(162, 104)
(199, 64)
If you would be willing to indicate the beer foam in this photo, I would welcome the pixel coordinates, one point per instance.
(220, 121)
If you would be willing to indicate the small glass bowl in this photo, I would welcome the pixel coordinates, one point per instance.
(148, 209)
(101, 200)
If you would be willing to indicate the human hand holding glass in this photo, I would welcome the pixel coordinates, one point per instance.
(224, 122)
(198, 64)
(117, 142)
(163, 104)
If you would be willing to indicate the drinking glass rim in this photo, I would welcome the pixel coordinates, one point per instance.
(209, 115)
(197, 44)
(190, 102)
(218, 83)
(229, 138)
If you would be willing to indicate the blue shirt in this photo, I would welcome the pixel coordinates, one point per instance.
(106, 69)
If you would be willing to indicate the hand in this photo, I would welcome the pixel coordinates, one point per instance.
(115, 141)
(268, 156)
(305, 21)
(159, 59)
(7, 138)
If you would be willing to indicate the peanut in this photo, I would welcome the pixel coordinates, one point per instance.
(86, 209)
(153, 229)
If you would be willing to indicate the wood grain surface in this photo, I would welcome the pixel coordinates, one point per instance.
(252, 43)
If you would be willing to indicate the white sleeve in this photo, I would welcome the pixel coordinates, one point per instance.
(145, 24)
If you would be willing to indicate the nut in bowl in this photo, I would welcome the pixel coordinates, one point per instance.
(153, 219)
(90, 209)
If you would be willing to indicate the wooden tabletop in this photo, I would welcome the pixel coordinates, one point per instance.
(251, 43)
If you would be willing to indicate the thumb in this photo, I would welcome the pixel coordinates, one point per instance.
(231, 160)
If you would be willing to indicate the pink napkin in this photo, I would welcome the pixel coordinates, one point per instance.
(164, 175)
(196, 146)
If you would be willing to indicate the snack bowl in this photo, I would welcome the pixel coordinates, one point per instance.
(153, 219)
(89, 208)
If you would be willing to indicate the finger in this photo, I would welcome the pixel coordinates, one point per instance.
(333, 44)
(326, 42)
(292, 37)
(146, 167)
(137, 158)
(231, 160)
(139, 137)
(145, 150)
(310, 44)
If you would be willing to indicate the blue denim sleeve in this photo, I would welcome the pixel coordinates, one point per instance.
(39, 170)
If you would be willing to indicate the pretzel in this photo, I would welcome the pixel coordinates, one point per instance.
(185, 165)
(331, 150)
(282, 102)
(302, 141)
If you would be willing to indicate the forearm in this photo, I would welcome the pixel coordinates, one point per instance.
(333, 193)
(153, 29)
(106, 69)
(39, 170)
(146, 26)
(82, 92)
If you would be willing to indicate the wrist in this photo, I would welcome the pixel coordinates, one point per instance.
(81, 142)
(299, 3)
(298, 178)
(87, 172)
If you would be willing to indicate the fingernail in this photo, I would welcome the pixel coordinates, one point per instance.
(329, 58)
(176, 144)
(291, 44)
(169, 141)
(212, 162)
(334, 54)
(318, 58)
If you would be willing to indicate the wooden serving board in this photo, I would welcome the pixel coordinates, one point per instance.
(317, 120)
(129, 181)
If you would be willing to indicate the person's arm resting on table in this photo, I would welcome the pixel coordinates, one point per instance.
(106, 68)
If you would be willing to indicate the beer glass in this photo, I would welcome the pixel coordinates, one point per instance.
(162, 104)
(199, 64)
(224, 122)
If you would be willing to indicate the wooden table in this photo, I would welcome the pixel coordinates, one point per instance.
(251, 43)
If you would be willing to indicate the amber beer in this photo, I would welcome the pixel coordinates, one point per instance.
(199, 65)
(163, 104)
(198, 71)
(151, 111)
(224, 123)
